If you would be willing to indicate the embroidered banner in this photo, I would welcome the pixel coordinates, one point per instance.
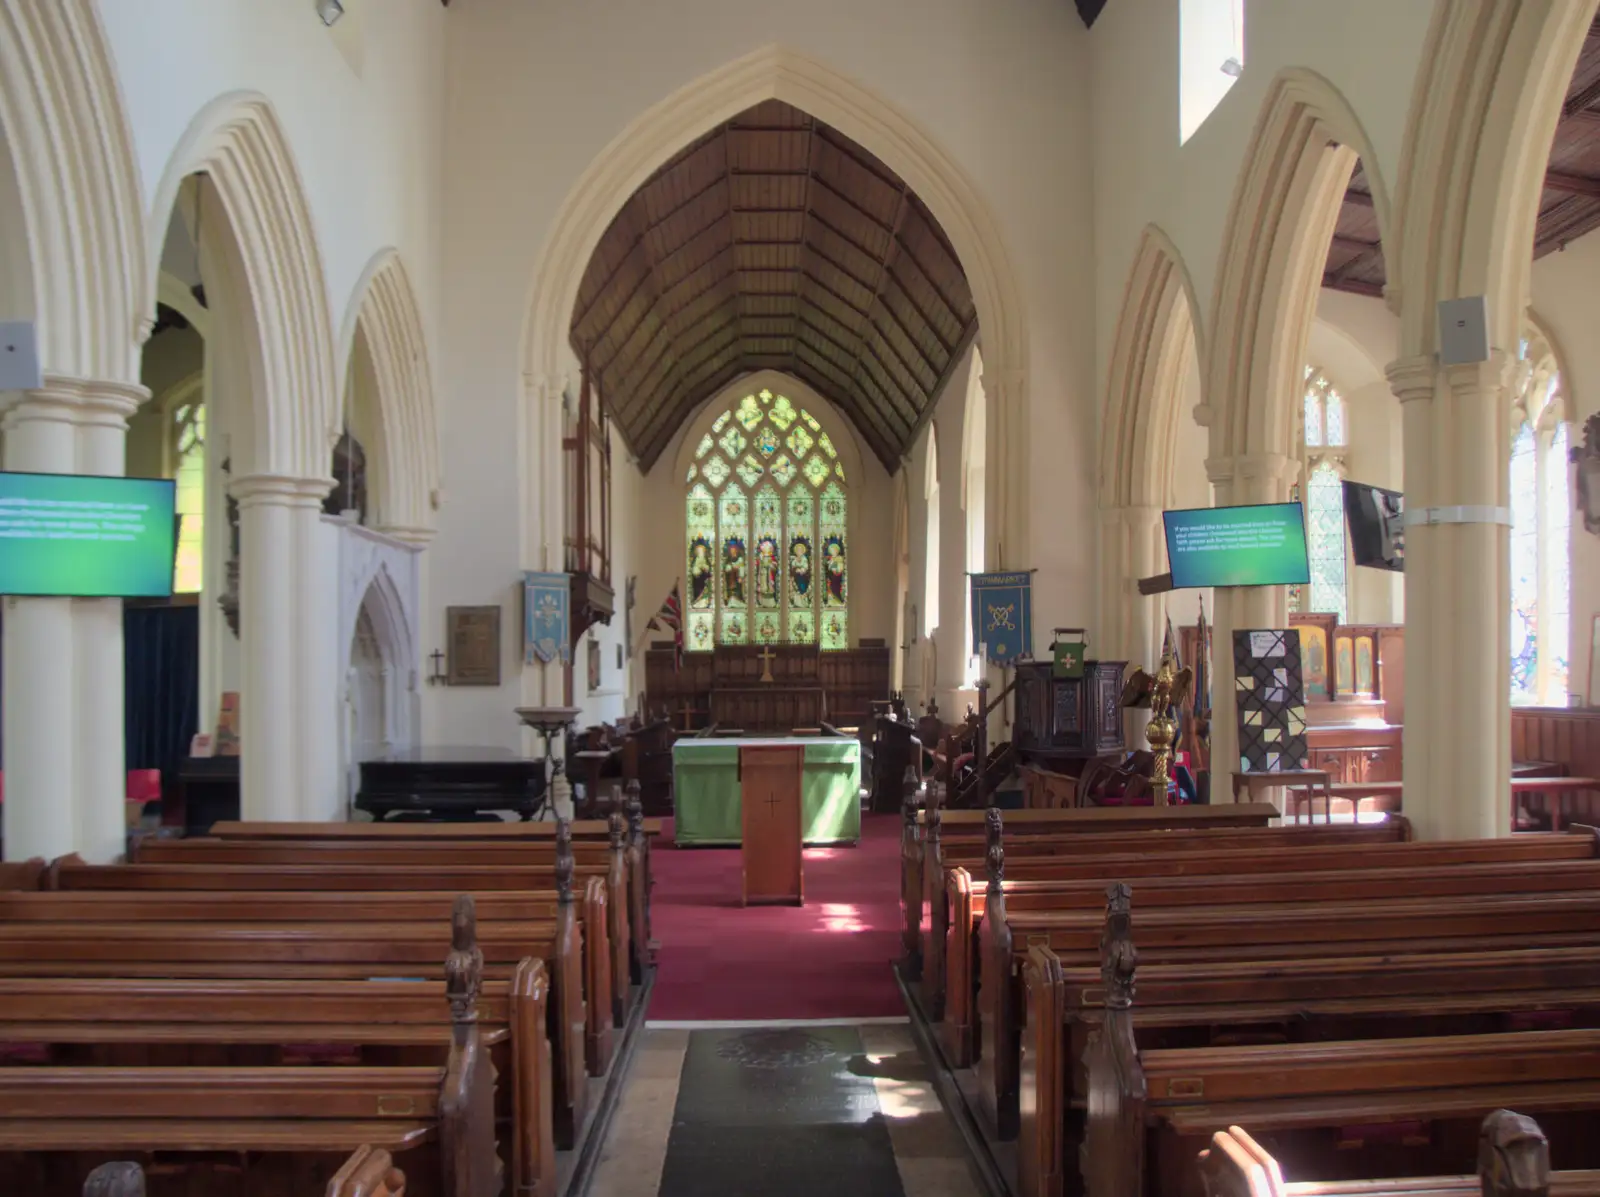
(1002, 615)
(545, 635)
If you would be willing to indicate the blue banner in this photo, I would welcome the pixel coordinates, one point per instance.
(545, 602)
(1002, 615)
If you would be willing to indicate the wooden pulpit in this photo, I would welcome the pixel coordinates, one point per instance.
(769, 798)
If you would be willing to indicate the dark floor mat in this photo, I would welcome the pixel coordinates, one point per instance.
(777, 1112)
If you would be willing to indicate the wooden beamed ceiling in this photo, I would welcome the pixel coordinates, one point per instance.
(1569, 208)
(774, 241)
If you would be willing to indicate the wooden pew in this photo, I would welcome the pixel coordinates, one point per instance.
(1146, 1110)
(623, 857)
(267, 1022)
(1248, 932)
(1513, 1161)
(1359, 996)
(321, 951)
(967, 903)
(949, 957)
(278, 1112)
(1038, 852)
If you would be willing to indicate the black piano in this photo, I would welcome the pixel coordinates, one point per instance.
(451, 785)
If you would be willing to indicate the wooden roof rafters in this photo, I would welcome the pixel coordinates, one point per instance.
(1569, 208)
(773, 241)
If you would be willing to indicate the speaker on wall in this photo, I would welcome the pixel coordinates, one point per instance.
(1463, 331)
(19, 357)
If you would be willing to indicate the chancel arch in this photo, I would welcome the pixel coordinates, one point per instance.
(853, 112)
(1156, 346)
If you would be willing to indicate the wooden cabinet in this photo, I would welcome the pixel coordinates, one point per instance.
(1062, 719)
(1355, 753)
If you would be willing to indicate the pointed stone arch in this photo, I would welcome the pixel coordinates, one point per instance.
(386, 313)
(274, 293)
(1157, 341)
(1285, 205)
(777, 72)
(1488, 96)
(77, 255)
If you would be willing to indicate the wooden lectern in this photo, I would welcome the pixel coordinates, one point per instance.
(769, 798)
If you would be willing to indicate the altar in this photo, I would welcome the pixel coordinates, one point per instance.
(706, 788)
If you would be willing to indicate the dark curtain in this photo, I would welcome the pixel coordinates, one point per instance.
(161, 686)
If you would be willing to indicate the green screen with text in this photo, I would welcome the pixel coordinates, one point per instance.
(86, 537)
(1263, 545)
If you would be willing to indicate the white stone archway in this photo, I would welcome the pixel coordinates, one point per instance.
(1304, 149)
(776, 72)
(1157, 340)
(275, 417)
(72, 261)
(405, 494)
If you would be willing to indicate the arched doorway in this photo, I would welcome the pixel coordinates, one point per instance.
(380, 705)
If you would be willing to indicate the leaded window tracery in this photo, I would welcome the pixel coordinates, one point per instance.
(766, 522)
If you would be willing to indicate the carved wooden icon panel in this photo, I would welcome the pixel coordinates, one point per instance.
(473, 640)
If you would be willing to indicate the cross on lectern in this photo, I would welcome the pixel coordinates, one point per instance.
(772, 799)
(767, 656)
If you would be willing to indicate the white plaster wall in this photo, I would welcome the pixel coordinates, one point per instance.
(1368, 49)
(537, 92)
(1190, 488)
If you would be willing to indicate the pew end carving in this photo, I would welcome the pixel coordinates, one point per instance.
(118, 1180)
(1513, 1156)
(911, 799)
(1112, 1154)
(466, 1101)
(368, 1172)
(998, 1006)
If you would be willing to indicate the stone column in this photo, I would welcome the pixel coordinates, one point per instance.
(1250, 478)
(320, 657)
(40, 809)
(64, 746)
(269, 772)
(1457, 738)
(101, 780)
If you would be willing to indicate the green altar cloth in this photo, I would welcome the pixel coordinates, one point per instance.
(705, 790)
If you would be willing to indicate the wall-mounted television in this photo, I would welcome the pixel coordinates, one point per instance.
(85, 536)
(1259, 545)
(1376, 518)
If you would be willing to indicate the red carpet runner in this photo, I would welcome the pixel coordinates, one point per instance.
(828, 959)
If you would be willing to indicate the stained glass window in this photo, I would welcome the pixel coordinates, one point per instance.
(1324, 436)
(189, 431)
(1325, 539)
(1541, 526)
(766, 526)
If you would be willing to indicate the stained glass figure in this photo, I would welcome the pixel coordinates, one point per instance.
(1558, 521)
(766, 567)
(1524, 568)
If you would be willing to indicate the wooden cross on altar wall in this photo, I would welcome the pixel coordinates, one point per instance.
(767, 656)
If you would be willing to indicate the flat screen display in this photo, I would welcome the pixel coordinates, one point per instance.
(83, 536)
(1262, 545)
(1376, 518)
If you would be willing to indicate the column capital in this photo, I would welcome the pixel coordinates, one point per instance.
(999, 380)
(1412, 378)
(74, 401)
(1476, 378)
(1251, 467)
(279, 490)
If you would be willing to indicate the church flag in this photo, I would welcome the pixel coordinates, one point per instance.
(1002, 616)
(670, 618)
(545, 603)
